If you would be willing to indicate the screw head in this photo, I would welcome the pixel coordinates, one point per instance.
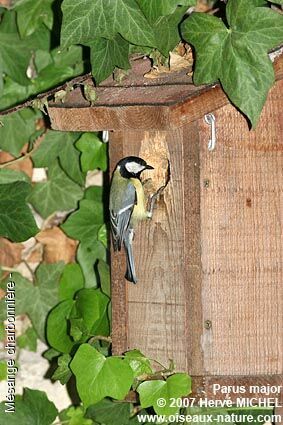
(207, 324)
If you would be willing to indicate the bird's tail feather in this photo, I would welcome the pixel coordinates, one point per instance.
(131, 271)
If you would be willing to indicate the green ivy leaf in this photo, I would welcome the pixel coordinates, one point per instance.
(28, 340)
(94, 152)
(74, 416)
(16, 130)
(98, 377)
(237, 56)
(13, 93)
(59, 193)
(70, 56)
(66, 63)
(72, 280)
(37, 300)
(16, 220)
(103, 235)
(32, 408)
(51, 353)
(57, 327)
(138, 362)
(106, 54)
(42, 58)
(3, 315)
(135, 421)
(216, 414)
(10, 176)
(259, 26)
(3, 371)
(109, 412)
(70, 162)
(91, 306)
(39, 40)
(207, 35)
(78, 330)
(153, 9)
(166, 31)
(1, 80)
(31, 13)
(84, 223)
(14, 54)
(63, 373)
(60, 144)
(51, 146)
(256, 412)
(94, 193)
(175, 386)
(86, 19)
(87, 255)
(104, 277)
(53, 68)
(2, 331)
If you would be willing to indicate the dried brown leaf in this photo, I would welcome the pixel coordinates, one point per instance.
(10, 253)
(203, 6)
(7, 3)
(25, 165)
(177, 62)
(57, 246)
(157, 72)
(35, 254)
(180, 49)
(2, 294)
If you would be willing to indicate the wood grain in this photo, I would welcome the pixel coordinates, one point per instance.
(192, 238)
(209, 264)
(109, 118)
(158, 300)
(242, 245)
(118, 267)
(144, 106)
(212, 253)
(205, 387)
(279, 411)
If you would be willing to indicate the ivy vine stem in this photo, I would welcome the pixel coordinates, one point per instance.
(26, 155)
(100, 338)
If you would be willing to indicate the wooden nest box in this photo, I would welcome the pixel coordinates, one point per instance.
(209, 264)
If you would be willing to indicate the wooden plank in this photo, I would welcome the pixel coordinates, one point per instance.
(192, 109)
(157, 301)
(192, 260)
(256, 386)
(118, 265)
(207, 100)
(240, 256)
(279, 411)
(142, 107)
(242, 245)
(108, 118)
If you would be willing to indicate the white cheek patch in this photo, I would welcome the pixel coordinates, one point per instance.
(134, 167)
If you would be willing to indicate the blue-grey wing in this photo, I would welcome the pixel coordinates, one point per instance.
(120, 217)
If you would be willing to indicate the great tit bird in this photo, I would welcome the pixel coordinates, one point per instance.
(127, 206)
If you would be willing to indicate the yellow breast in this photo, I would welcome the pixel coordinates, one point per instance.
(139, 212)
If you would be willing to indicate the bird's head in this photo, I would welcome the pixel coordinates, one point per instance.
(132, 166)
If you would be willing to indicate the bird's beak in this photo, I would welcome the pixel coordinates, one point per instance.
(149, 167)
